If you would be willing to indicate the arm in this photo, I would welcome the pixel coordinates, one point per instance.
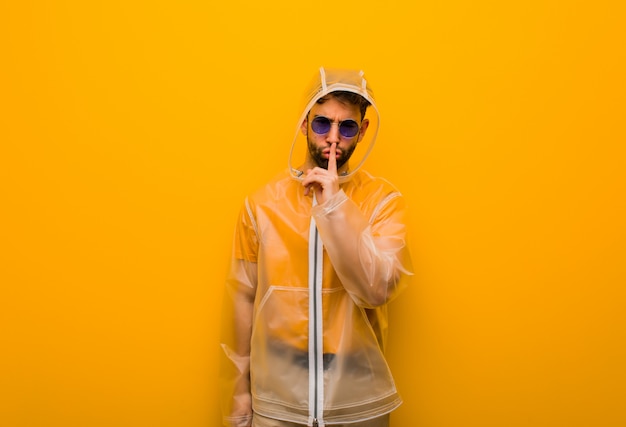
(236, 331)
(237, 319)
(370, 256)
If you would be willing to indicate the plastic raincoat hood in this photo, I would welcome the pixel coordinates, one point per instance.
(325, 82)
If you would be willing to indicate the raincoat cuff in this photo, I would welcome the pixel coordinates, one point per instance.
(330, 205)
(240, 421)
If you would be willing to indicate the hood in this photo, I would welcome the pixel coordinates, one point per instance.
(325, 82)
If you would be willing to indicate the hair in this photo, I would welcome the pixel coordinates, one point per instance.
(348, 98)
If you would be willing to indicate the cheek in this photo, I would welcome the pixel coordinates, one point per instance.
(315, 138)
(350, 149)
(349, 145)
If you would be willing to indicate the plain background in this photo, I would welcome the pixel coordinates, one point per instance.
(130, 132)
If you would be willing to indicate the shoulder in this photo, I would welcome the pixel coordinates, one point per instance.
(375, 196)
(278, 188)
(366, 185)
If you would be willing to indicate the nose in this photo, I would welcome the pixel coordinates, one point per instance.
(333, 134)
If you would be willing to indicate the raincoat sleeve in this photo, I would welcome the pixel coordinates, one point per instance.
(369, 255)
(237, 315)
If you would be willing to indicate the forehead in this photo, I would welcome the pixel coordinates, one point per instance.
(333, 107)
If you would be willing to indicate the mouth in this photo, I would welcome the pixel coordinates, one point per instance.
(326, 153)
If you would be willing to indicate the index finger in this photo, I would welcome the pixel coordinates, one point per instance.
(332, 159)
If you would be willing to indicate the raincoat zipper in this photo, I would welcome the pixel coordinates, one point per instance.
(316, 372)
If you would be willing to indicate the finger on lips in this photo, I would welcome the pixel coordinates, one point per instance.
(316, 178)
(332, 158)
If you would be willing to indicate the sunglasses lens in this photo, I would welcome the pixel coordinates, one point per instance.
(320, 125)
(349, 128)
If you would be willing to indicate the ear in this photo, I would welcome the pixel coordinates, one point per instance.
(304, 126)
(364, 125)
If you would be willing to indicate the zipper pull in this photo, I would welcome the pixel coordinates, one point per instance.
(315, 423)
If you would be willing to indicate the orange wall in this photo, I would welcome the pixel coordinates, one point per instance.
(131, 131)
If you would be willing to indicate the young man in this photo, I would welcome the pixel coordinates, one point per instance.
(318, 253)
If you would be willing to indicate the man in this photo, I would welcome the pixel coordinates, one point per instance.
(318, 253)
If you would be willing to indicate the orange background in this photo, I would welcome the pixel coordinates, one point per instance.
(130, 133)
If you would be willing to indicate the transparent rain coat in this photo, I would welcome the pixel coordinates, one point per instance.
(305, 315)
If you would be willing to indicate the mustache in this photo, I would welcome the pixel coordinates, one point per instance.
(317, 154)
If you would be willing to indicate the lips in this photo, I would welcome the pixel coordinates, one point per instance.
(326, 153)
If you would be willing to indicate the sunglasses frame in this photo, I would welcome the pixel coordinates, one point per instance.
(331, 123)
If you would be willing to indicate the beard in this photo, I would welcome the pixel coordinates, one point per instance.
(317, 154)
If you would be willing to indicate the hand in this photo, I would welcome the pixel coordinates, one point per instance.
(324, 182)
